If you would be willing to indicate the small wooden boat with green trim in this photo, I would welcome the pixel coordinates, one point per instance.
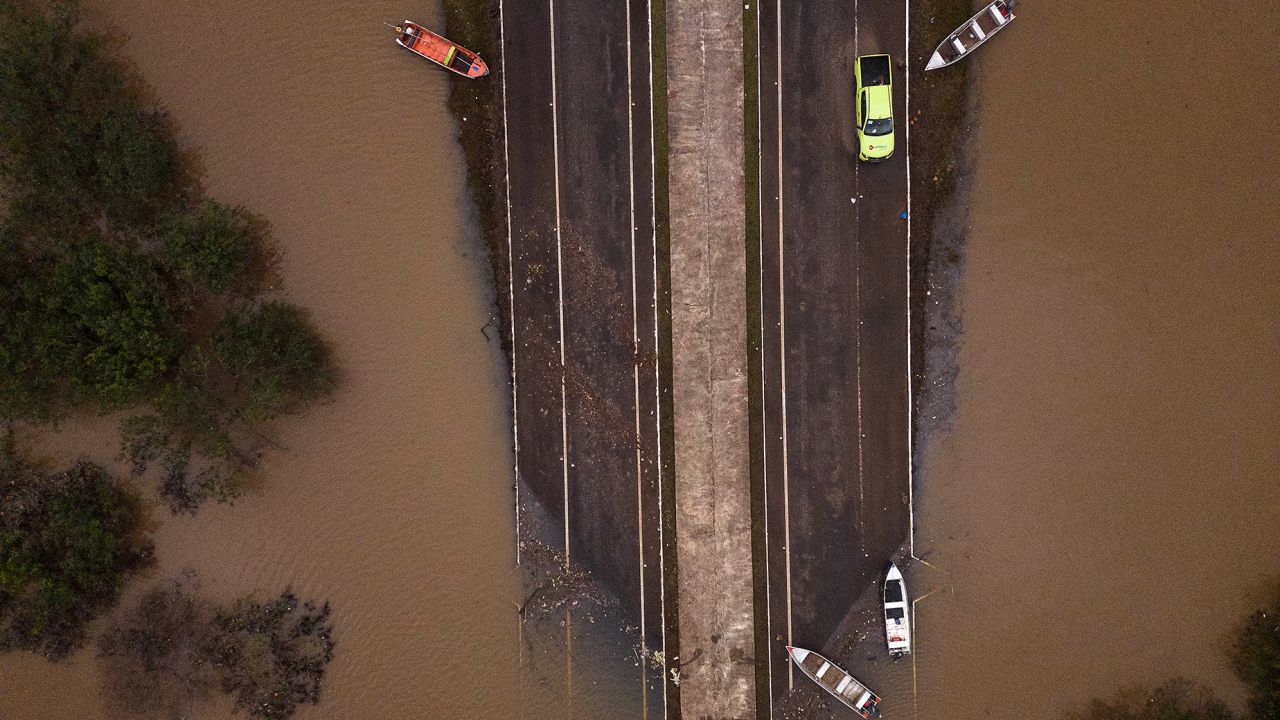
(440, 50)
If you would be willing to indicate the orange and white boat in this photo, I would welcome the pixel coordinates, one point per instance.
(440, 50)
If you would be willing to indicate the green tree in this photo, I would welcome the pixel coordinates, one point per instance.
(116, 274)
(68, 542)
(94, 325)
(278, 360)
(189, 418)
(77, 136)
(137, 168)
(214, 246)
(1256, 658)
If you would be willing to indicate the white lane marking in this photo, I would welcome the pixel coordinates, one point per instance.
(635, 376)
(764, 395)
(657, 366)
(511, 271)
(782, 352)
(857, 312)
(911, 482)
(511, 306)
(564, 414)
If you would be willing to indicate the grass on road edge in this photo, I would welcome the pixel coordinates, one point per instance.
(477, 107)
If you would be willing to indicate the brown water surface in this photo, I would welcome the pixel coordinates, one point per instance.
(1107, 506)
(394, 501)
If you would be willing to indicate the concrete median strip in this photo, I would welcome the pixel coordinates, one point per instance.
(709, 346)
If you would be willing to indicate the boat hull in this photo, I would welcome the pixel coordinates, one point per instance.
(971, 35)
(440, 50)
(897, 613)
(830, 677)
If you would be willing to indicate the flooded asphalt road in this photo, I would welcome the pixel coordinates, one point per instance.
(1102, 514)
(836, 427)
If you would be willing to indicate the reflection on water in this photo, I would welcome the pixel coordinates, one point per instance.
(395, 500)
(1105, 510)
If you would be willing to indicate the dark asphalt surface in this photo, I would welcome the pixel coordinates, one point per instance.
(599, 134)
(845, 350)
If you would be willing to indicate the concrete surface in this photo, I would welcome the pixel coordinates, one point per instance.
(708, 270)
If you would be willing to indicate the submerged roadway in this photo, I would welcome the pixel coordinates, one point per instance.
(586, 306)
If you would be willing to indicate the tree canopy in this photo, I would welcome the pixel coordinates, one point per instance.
(122, 287)
(68, 543)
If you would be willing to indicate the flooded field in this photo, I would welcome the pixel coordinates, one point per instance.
(1105, 510)
(394, 501)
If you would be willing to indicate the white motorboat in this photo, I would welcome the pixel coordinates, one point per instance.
(897, 613)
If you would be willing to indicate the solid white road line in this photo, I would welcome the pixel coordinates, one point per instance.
(564, 414)
(857, 312)
(782, 350)
(911, 482)
(764, 395)
(511, 289)
(657, 365)
(635, 374)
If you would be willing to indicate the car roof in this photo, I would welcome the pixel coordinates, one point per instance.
(879, 102)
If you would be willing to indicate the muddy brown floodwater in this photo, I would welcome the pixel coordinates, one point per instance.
(1106, 508)
(394, 501)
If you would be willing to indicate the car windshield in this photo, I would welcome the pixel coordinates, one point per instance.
(879, 127)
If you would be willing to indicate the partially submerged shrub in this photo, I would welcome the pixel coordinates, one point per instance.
(68, 543)
(1175, 700)
(272, 655)
(174, 648)
(1256, 658)
(156, 653)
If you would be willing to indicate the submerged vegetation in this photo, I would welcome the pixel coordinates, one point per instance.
(68, 543)
(124, 288)
(174, 648)
(1255, 657)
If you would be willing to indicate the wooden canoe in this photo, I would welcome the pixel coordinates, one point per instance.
(440, 50)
